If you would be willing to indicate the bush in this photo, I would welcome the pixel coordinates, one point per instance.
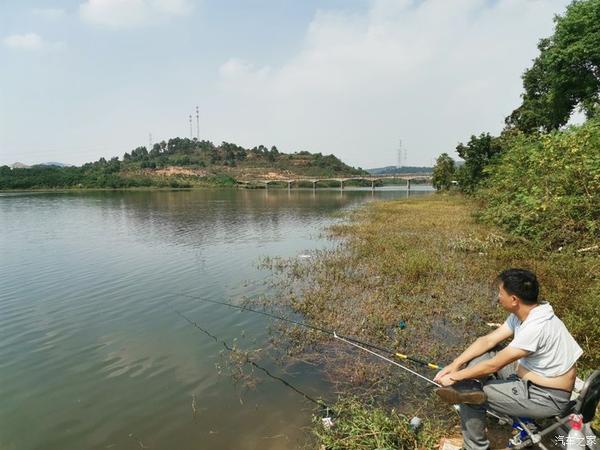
(547, 187)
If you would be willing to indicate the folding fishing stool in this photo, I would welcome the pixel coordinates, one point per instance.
(585, 404)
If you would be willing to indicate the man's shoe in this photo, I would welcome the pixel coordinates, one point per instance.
(469, 392)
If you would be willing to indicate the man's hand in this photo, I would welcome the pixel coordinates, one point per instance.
(446, 380)
(450, 368)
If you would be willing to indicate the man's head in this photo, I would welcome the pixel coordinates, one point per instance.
(519, 283)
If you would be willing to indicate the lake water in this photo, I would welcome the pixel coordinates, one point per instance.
(93, 354)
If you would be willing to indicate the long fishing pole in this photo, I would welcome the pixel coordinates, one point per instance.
(349, 340)
(391, 361)
(321, 330)
(456, 407)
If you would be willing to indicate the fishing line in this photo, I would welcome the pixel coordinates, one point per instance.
(321, 330)
(253, 363)
(353, 342)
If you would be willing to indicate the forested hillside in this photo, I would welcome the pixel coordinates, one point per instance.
(178, 162)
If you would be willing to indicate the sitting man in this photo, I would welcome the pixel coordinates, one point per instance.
(534, 374)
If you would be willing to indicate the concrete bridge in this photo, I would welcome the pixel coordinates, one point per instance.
(341, 180)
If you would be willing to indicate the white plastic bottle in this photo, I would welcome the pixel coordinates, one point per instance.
(575, 438)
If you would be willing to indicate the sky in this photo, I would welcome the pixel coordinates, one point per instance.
(84, 79)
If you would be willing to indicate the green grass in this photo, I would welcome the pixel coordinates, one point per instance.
(365, 426)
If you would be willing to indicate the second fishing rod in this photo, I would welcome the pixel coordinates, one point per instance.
(365, 346)
(321, 330)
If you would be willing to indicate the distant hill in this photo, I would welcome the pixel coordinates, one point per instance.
(395, 169)
(54, 164)
(19, 165)
(179, 162)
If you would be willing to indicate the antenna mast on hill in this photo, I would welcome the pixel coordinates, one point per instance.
(191, 131)
(197, 123)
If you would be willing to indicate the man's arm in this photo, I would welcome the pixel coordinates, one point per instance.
(477, 348)
(502, 358)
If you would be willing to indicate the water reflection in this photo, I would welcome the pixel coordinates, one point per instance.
(91, 353)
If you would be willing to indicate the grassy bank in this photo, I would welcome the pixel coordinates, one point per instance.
(429, 264)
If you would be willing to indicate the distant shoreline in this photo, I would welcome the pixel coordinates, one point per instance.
(418, 188)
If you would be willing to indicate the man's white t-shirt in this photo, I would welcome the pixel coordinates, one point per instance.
(553, 349)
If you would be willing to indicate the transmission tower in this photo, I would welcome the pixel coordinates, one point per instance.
(191, 131)
(197, 123)
(402, 153)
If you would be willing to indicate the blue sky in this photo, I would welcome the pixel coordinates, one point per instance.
(81, 79)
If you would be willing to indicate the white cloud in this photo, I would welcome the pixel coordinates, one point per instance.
(49, 13)
(236, 69)
(131, 13)
(427, 72)
(31, 42)
(28, 41)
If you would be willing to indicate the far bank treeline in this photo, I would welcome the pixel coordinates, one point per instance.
(197, 163)
(540, 178)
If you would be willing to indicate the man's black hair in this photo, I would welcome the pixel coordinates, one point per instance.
(522, 283)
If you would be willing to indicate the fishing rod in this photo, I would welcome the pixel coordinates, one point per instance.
(325, 408)
(321, 330)
(345, 339)
(348, 340)
(391, 361)
(456, 407)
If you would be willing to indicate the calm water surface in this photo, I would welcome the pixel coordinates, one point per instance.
(92, 353)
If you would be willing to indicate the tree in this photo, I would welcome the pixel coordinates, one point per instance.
(139, 154)
(566, 74)
(478, 153)
(114, 165)
(443, 172)
(155, 151)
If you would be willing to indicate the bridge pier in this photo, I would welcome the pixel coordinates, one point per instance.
(341, 185)
(408, 184)
(372, 185)
(314, 185)
(289, 185)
